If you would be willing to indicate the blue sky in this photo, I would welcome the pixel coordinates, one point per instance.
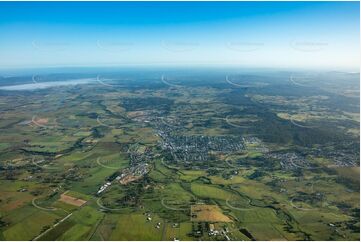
(247, 34)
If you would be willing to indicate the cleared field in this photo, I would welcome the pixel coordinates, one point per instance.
(71, 200)
(208, 213)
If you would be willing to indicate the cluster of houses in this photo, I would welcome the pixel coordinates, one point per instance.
(196, 147)
(290, 161)
(214, 232)
(138, 168)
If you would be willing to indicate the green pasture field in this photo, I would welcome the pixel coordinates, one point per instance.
(190, 175)
(89, 132)
(181, 232)
(30, 227)
(210, 191)
(136, 227)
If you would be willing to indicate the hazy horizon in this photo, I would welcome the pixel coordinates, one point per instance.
(306, 35)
